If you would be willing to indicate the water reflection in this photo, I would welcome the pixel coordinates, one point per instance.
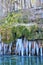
(18, 60)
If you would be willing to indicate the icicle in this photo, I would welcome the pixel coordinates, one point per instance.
(37, 49)
(41, 51)
(29, 47)
(18, 45)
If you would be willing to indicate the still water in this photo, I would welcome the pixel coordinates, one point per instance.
(18, 60)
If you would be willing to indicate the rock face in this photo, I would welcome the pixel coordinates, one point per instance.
(6, 6)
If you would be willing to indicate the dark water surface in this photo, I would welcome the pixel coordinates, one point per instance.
(18, 60)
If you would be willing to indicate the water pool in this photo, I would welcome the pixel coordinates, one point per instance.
(19, 60)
